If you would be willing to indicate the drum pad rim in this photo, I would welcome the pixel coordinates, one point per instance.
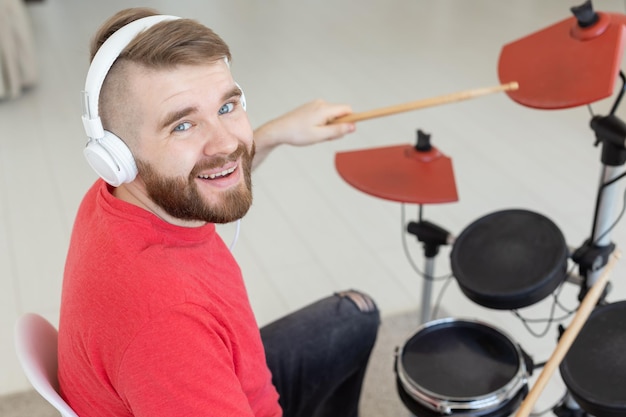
(510, 389)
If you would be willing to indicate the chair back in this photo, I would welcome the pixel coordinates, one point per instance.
(36, 346)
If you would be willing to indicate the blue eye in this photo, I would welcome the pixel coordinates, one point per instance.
(226, 108)
(182, 127)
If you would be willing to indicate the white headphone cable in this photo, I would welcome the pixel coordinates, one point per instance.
(237, 229)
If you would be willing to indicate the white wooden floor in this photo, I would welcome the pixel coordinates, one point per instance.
(309, 233)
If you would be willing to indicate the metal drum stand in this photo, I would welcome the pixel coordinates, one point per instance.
(573, 63)
(415, 174)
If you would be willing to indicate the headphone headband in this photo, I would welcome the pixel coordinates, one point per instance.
(101, 64)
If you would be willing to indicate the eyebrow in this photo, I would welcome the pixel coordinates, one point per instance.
(179, 114)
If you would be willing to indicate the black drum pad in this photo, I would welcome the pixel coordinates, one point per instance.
(461, 360)
(594, 369)
(509, 259)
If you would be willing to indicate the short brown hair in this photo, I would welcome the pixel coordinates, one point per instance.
(180, 41)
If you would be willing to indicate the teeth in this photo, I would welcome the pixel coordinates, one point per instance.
(219, 174)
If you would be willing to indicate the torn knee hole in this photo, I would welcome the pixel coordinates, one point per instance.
(363, 302)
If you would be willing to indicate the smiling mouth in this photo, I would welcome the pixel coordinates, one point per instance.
(216, 175)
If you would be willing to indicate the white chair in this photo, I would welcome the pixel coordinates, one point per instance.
(36, 345)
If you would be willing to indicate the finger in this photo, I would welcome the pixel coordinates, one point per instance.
(334, 111)
(336, 131)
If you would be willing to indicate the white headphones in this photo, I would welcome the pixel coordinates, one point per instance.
(106, 153)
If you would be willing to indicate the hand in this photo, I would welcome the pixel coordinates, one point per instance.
(305, 125)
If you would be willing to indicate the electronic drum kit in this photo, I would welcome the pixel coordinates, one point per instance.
(514, 258)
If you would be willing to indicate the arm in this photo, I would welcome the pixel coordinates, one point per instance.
(305, 125)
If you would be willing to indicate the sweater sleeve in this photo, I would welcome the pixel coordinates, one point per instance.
(184, 362)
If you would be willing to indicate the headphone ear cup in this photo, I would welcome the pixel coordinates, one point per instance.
(111, 159)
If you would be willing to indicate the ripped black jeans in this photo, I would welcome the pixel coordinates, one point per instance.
(318, 355)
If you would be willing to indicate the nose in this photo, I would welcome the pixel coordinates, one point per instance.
(220, 140)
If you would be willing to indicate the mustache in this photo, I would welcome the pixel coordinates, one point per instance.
(218, 161)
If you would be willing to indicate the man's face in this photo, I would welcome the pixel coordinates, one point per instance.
(194, 147)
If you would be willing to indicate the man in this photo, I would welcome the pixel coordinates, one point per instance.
(155, 319)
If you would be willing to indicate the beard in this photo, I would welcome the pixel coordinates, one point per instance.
(180, 197)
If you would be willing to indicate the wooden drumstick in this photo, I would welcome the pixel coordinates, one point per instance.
(568, 337)
(429, 102)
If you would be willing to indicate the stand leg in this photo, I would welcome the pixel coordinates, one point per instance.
(427, 289)
(433, 237)
(604, 216)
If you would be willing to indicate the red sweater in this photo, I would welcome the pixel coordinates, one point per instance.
(155, 320)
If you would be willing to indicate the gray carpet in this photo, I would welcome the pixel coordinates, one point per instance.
(379, 397)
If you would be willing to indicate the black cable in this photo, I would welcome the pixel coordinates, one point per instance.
(551, 318)
(569, 311)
